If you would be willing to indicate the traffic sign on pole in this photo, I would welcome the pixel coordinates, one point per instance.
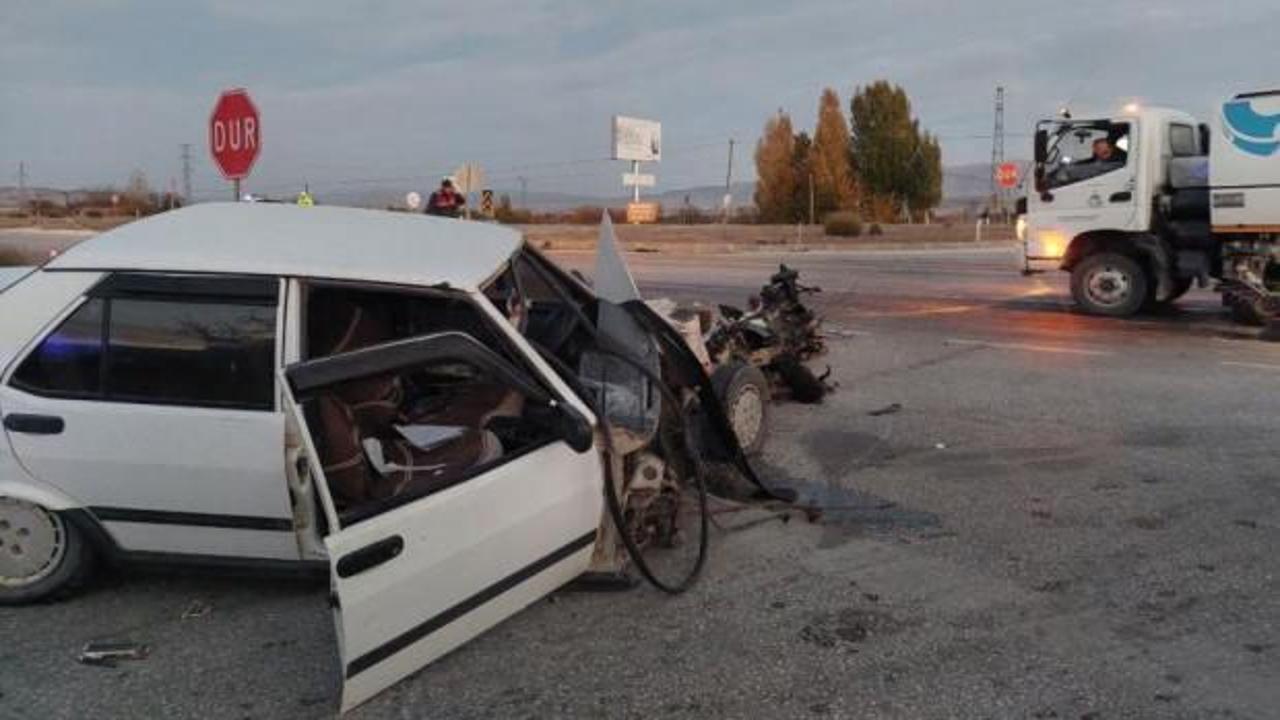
(1007, 175)
(235, 135)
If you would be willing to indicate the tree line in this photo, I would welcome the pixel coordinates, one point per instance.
(879, 163)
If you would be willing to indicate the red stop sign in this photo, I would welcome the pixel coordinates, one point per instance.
(235, 134)
(1007, 175)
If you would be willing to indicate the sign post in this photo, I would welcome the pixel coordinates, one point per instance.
(235, 136)
(639, 141)
(469, 179)
(1007, 175)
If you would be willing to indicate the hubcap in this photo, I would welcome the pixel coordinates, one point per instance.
(1109, 285)
(747, 414)
(32, 542)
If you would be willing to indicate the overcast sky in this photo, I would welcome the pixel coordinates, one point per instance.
(395, 93)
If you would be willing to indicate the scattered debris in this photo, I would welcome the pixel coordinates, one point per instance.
(777, 334)
(940, 446)
(1050, 586)
(889, 409)
(197, 609)
(107, 654)
(1251, 524)
(1149, 522)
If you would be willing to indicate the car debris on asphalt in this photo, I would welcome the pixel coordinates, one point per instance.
(107, 654)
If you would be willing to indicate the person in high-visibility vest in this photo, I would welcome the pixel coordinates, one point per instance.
(305, 199)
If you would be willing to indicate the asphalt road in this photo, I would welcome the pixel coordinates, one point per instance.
(1068, 517)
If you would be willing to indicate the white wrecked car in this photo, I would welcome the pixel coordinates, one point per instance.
(404, 401)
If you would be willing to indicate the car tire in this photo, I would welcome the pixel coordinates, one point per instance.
(1109, 284)
(42, 556)
(744, 392)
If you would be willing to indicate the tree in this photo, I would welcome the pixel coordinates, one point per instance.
(802, 171)
(833, 183)
(776, 180)
(898, 164)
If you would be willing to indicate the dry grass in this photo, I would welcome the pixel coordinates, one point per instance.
(10, 255)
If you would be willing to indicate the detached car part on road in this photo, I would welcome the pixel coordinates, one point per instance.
(442, 418)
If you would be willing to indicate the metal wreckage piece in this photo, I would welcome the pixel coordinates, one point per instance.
(663, 425)
(778, 334)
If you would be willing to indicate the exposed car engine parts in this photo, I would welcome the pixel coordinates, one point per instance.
(778, 335)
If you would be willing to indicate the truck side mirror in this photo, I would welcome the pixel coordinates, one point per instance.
(1041, 152)
(1204, 138)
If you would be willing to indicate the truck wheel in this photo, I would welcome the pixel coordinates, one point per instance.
(1109, 284)
(744, 392)
(41, 555)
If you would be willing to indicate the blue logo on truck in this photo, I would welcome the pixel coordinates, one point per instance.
(1249, 130)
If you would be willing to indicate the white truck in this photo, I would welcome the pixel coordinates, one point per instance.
(1140, 205)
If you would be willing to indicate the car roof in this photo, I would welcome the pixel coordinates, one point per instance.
(322, 242)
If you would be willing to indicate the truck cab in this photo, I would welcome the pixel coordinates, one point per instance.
(1096, 208)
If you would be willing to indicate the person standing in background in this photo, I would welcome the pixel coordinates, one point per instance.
(446, 202)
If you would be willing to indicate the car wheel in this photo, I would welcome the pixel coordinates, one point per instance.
(744, 392)
(1109, 284)
(42, 555)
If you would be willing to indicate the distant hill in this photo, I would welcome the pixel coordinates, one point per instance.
(961, 185)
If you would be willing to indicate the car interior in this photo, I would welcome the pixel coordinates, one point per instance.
(392, 437)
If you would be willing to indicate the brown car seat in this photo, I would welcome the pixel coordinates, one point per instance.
(370, 408)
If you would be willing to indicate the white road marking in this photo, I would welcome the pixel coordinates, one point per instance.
(1027, 348)
(1251, 365)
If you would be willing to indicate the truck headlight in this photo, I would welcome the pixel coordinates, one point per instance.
(1020, 228)
(1052, 243)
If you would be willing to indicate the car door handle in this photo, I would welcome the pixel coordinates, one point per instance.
(1120, 197)
(34, 424)
(370, 556)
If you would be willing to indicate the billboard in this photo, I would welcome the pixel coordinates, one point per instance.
(636, 139)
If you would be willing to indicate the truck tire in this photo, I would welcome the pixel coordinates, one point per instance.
(744, 392)
(1109, 284)
(42, 556)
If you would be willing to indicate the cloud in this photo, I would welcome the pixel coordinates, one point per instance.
(401, 90)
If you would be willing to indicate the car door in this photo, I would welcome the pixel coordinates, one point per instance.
(153, 403)
(462, 543)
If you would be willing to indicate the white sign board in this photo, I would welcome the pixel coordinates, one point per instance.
(413, 200)
(638, 180)
(469, 178)
(636, 139)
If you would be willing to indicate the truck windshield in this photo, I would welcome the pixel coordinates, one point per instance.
(1080, 150)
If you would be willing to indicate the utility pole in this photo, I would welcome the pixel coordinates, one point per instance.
(728, 184)
(811, 204)
(186, 173)
(997, 154)
(524, 195)
(22, 182)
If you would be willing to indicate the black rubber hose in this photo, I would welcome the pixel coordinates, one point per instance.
(611, 492)
(612, 500)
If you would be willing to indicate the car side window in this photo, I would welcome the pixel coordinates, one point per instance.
(191, 352)
(163, 339)
(69, 360)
